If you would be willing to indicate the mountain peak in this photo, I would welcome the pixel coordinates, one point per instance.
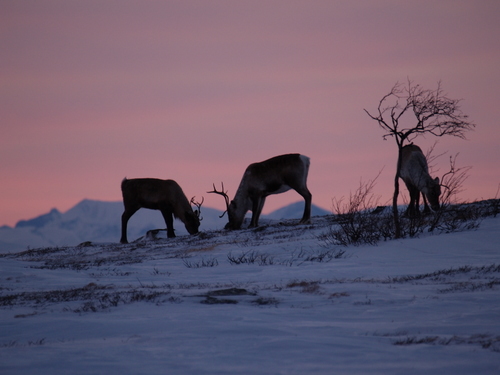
(41, 220)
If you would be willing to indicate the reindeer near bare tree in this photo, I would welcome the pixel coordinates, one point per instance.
(273, 176)
(415, 174)
(409, 111)
(163, 195)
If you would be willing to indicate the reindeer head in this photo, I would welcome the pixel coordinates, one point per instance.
(193, 218)
(234, 216)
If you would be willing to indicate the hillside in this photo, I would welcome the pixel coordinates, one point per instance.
(99, 221)
(281, 298)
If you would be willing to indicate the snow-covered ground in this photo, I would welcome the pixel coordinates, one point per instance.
(100, 221)
(274, 300)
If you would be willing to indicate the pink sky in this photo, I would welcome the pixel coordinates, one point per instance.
(194, 91)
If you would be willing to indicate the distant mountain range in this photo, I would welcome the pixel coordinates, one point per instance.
(99, 221)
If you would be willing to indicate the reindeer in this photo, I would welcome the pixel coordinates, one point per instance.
(164, 195)
(415, 174)
(272, 176)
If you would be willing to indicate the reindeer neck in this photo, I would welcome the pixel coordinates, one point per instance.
(423, 181)
(242, 198)
(181, 207)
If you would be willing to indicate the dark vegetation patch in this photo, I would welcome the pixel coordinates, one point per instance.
(485, 341)
(250, 257)
(94, 297)
(305, 286)
(230, 296)
(218, 301)
(230, 292)
(14, 343)
(324, 255)
(438, 275)
(210, 262)
(263, 301)
(357, 223)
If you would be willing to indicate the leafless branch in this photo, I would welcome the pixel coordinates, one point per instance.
(434, 113)
(452, 181)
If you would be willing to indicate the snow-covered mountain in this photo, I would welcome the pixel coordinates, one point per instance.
(99, 221)
(295, 211)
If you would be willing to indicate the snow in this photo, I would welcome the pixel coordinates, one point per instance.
(100, 221)
(427, 305)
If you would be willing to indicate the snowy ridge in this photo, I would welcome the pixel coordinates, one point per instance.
(99, 221)
(295, 211)
(277, 299)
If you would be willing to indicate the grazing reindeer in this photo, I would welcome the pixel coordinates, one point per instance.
(272, 176)
(415, 174)
(163, 195)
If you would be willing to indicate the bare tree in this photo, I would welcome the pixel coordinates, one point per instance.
(409, 111)
(452, 182)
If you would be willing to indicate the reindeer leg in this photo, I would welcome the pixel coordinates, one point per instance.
(127, 214)
(414, 202)
(257, 205)
(417, 202)
(306, 194)
(427, 210)
(410, 210)
(169, 222)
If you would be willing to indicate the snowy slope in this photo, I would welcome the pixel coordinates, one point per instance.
(273, 300)
(99, 221)
(295, 211)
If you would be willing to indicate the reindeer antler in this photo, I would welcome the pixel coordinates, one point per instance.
(198, 205)
(224, 194)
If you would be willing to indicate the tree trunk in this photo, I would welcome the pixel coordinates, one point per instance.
(395, 211)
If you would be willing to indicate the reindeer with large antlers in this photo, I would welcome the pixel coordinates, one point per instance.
(272, 176)
(164, 195)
